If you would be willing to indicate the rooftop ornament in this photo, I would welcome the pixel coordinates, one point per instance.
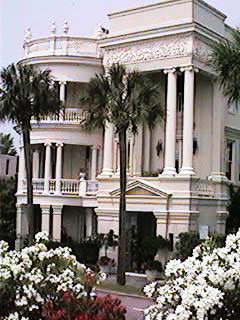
(100, 32)
(65, 27)
(27, 35)
(53, 28)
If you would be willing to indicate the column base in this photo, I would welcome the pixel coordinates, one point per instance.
(169, 171)
(106, 173)
(187, 171)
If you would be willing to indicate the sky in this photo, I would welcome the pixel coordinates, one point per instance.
(82, 15)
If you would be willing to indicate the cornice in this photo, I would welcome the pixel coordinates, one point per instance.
(63, 59)
(163, 3)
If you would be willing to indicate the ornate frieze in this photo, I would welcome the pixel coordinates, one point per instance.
(167, 47)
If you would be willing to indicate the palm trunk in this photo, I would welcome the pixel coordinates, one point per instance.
(122, 210)
(28, 163)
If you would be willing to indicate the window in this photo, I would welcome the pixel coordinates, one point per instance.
(229, 159)
(7, 167)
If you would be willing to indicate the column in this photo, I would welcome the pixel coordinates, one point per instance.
(107, 155)
(62, 90)
(88, 222)
(170, 144)
(59, 146)
(47, 172)
(45, 218)
(138, 152)
(118, 159)
(94, 163)
(62, 94)
(147, 149)
(57, 223)
(36, 164)
(131, 155)
(19, 235)
(187, 163)
(218, 144)
(21, 170)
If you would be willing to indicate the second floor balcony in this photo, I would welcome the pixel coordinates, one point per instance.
(61, 187)
(67, 116)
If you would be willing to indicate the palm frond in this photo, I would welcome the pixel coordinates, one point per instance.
(225, 60)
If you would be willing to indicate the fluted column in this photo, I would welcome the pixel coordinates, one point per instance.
(47, 172)
(21, 170)
(59, 146)
(36, 164)
(45, 218)
(94, 163)
(170, 145)
(187, 163)
(108, 152)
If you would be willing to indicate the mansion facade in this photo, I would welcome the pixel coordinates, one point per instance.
(179, 172)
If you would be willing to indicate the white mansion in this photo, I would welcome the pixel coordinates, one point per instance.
(179, 173)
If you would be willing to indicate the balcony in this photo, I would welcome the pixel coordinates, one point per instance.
(61, 46)
(67, 187)
(68, 116)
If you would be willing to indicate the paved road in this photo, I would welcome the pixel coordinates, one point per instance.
(130, 303)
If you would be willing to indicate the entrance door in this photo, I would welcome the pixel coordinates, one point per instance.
(141, 225)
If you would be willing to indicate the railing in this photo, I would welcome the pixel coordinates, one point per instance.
(62, 46)
(204, 188)
(92, 187)
(70, 186)
(67, 186)
(69, 115)
(38, 185)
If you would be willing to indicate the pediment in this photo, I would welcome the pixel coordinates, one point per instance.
(140, 188)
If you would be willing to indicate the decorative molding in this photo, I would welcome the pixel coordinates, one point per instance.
(167, 47)
(180, 45)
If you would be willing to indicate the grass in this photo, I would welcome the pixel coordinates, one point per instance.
(113, 286)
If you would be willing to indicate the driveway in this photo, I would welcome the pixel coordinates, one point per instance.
(133, 304)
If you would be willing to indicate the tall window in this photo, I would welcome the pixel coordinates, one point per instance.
(7, 167)
(229, 159)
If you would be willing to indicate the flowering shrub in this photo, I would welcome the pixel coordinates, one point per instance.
(101, 308)
(35, 275)
(204, 286)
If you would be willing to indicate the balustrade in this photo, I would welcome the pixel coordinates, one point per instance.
(204, 188)
(92, 187)
(68, 186)
(70, 115)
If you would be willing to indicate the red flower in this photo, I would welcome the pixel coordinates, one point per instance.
(67, 297)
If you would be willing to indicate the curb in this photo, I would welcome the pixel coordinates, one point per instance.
(123, 294)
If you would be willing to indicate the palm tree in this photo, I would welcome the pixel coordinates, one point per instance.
(225, 60)
(124, 99)
(26, 93)
(7, 144)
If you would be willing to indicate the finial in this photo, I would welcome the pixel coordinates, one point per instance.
(27, 35)
(53, 28)
(98, 33)
(65, 27)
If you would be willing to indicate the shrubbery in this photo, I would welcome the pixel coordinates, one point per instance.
(204, 286)
(37, 279)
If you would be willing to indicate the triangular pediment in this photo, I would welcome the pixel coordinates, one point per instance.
(140, 188)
